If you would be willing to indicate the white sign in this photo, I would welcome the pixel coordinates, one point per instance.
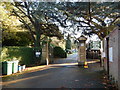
(37, 54)
(111, 54)
(82, 44)
(103, 54)
(96, 45)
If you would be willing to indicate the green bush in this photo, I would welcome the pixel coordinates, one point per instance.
(59, 52)
(25, 55)
(16, 39)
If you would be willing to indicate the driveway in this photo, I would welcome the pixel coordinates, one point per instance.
(63, 73)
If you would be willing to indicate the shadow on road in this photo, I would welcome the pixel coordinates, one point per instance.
(62, 73)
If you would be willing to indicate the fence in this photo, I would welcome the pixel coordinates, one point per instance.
(93, 54)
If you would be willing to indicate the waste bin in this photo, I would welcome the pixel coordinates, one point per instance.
(15, 66)
(23, 67)
(7, 67)
(19, 68)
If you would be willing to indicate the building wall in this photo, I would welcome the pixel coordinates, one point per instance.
(119, 58)
(113, 65)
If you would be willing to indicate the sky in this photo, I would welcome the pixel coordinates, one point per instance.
(93, 37)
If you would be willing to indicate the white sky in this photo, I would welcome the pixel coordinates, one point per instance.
(93, 37)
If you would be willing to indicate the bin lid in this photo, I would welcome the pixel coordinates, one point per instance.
(16, 61)
(8, 61)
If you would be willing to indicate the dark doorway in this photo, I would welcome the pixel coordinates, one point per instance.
(107, 39)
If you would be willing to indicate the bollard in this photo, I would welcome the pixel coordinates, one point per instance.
(85, 65)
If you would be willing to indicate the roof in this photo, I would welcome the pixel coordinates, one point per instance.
(82, 38)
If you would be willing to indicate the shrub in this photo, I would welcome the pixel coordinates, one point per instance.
(25, 55)
(59, 52)
(16, 39)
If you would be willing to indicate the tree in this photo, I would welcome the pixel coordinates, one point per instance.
(16, 38)
(33, 16)
(68, 43)
(81, 16)
(91, 17)
(12, 33)
(9, 23)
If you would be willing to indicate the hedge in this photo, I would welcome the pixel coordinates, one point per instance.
(59, 52)
(25, 55)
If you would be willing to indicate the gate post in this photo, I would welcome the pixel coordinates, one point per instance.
(81, 50)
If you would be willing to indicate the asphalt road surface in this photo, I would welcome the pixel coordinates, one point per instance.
(63, 73)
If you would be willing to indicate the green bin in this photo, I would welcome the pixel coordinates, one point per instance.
(15, 66)
(7, 67)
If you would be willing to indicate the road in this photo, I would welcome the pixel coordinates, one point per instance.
(63, 73)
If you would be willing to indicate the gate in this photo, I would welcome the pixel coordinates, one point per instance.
(93, 54)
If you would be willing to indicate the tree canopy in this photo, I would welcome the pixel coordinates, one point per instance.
(91, 17)
(33, 16)
(8, 22)
(45, 18)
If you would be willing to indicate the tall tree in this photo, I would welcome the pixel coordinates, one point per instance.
(88, 17)
(92, 17)
(9, 23)
(33, 16)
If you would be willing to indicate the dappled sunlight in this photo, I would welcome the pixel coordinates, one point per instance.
(94, 61)
(64, 64)
(23, 79)
(67, 64)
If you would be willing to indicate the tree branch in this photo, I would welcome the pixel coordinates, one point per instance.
(114, 20)
(22, 20)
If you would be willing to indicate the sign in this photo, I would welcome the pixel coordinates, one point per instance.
(95, 45)
(111, 54)
(82, 44)
(37, 54)
(103, 54)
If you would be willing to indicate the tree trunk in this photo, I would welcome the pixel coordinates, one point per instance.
(37, 41)
(37, 44)
(38, 34)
